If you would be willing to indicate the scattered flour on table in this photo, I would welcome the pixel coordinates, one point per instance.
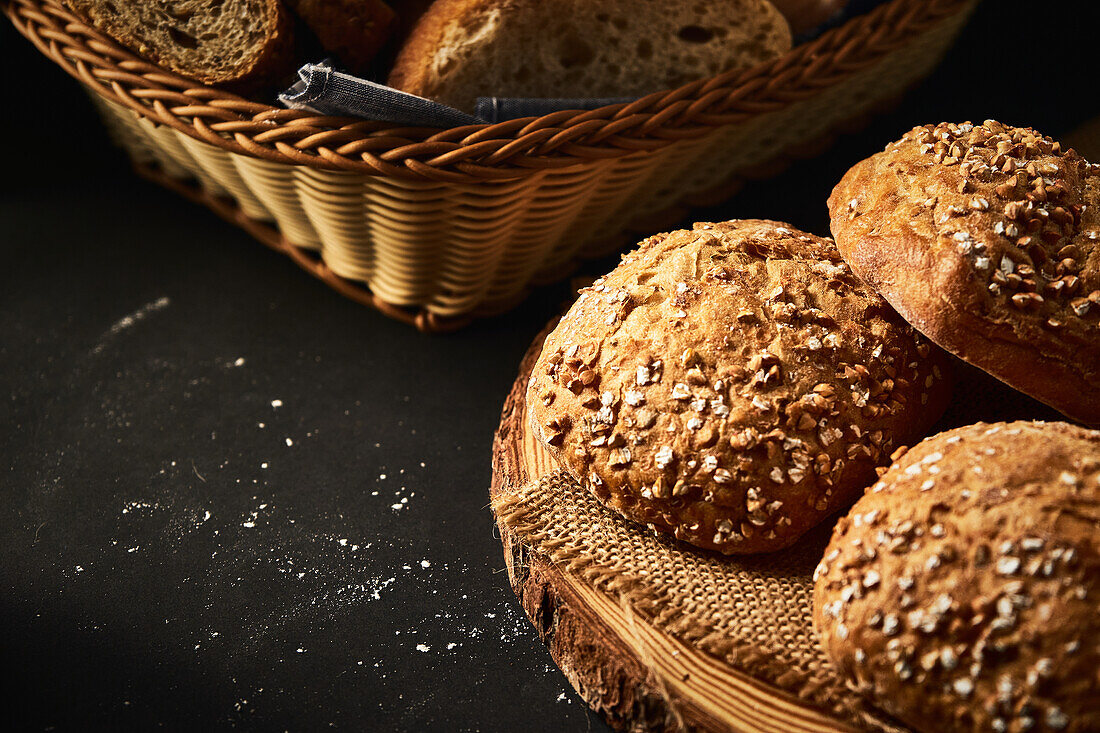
(319, 568)
(128, 321)
(134, 506)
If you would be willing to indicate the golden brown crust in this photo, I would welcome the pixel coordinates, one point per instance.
(962, 592)
(277, 57)
(733, 385)
(987, 239)
(411, 69)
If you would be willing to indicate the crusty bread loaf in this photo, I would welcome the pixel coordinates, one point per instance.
(805, 15)
(354, 30)
(987, 239)
(962, 592)
(463, 49)
(733, 385)
(240, 43)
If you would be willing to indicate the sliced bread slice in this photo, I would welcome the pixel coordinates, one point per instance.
(463, 49)
(242, 43)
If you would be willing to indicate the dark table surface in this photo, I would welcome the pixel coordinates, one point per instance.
(233, 498)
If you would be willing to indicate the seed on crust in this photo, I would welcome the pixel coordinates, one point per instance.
(975, 598)
(989, 258)
(785, 375)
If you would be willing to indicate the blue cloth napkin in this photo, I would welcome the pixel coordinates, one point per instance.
(321, 88)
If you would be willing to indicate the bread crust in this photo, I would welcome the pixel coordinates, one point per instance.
(462, 49)
(962, 592)
(993, 253)
(732, 385)
(412, 66)
(273, 58)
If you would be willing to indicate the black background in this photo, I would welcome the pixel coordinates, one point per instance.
(168, 562)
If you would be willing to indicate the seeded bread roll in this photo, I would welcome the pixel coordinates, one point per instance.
(987, 239)
(962, 592)
(463, 49)
(732, 385)
(244, 44)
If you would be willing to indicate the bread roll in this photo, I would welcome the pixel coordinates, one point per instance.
(733, 385)
(987, 239)
(962, 592)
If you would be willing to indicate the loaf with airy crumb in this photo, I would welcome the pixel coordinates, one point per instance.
(962, 592)
(987, 239)
(464, 49)
(732, 385)
(243, 44)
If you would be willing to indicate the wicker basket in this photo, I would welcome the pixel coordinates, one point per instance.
(435, 227)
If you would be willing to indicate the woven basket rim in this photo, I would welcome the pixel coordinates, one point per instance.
(472, 153)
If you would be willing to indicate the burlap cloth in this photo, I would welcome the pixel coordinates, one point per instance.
(753, 612)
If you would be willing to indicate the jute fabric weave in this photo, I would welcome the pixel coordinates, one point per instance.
(752, 612)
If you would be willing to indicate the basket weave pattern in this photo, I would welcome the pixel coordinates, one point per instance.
(438, 226)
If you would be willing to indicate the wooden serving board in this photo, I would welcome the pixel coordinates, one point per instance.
(637, 674)
(627, 671)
